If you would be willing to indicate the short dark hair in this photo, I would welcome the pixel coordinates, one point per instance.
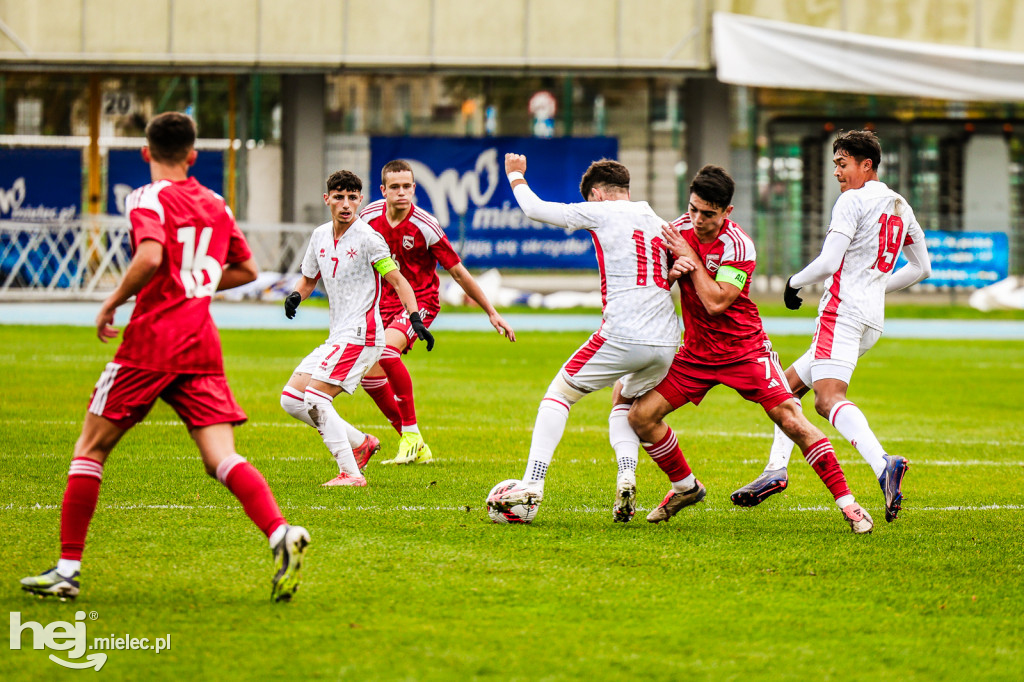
(713, 185)
(344, 181)
(170, 137)
(860, 144)
(604, 173)
(396, 166)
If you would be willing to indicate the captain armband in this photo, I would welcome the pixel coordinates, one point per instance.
(385, 265)
(731, 275)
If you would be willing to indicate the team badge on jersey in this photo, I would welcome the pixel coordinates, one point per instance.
(713, 261)
(408, 242)
(351, 253)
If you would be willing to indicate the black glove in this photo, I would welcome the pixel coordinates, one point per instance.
(421, 330)
(291, 304)
(792, 297)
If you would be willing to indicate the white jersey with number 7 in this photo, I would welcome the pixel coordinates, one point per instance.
(634, 264)
(878, 222)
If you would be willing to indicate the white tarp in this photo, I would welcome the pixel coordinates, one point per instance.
(776, 54)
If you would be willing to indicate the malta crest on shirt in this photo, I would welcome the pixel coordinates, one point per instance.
(408, 242)
(712, 261)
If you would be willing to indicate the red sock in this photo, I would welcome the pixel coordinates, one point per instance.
(80, 497)
(667, 454)
(401, 383)
(379, 389)
(822, 458)
(251, 489)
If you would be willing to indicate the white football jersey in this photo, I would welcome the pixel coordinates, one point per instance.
(634, 265)
(353, 286)
(879, 222)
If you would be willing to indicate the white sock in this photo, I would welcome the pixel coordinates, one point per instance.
(68, 567)
(782, 448)
(844, 500)
(294, 403)
(332, 429)
(685, 484)
(278, 533)
(624, 441)
(552, 415)
(410, 428)
(851, 422)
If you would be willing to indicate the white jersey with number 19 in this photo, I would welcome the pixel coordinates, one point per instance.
(878, 222)
(634, 262)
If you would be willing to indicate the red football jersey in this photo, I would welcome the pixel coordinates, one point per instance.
(417, 244)
(171, 328)
(737, 333)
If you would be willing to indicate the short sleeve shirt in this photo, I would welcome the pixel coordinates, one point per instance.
(353, 286)
(736, 334)
(879, 222)
(171, 328)
(636, 301)
(417, 245)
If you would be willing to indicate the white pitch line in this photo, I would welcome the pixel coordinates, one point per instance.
(584, 510)
(689, 434)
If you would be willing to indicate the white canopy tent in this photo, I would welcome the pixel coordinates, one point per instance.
(774, 54)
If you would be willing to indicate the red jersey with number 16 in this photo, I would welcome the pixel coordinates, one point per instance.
(171, 329)
(737, 333)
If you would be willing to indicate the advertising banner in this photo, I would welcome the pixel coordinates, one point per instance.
(966, 259)
(461, 181)
(127, 171)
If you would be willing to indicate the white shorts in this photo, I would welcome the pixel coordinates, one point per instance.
(340, 364)
(600, 362)
(837, 344)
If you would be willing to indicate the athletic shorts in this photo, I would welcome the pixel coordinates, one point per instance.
(837, 344)
(600, 362)
(342, 365)
(124, 396)
(759, 379)
(400, 321)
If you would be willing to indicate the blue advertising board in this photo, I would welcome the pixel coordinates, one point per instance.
(966, 259)
(39, 185)
(127, 171)
(461, 181)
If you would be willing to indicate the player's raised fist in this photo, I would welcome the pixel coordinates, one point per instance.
(515, 162)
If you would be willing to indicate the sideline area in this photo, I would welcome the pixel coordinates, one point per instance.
(231, 315)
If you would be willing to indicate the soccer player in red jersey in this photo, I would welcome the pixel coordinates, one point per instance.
(417, 244)
(724, 343)
(187, 246)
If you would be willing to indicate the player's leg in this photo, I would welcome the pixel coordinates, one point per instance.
(411, 447)
(216, 443)
(293, 401)
(775, 477)
(376, 385)
(831, 373)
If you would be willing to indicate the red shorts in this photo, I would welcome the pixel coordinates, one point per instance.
(400, 320)
(124, 395)
(759, 379)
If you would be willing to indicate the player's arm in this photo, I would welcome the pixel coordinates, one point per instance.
(388, 269)
(918, 267)
(303, 288)
(465, 280)
(237, 274)
(818, 270)
(533, 206)
(718, 293)
(149, 255)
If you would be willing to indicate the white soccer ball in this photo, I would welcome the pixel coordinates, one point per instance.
(504, 513)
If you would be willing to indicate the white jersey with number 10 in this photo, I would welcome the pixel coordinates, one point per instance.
(634, 264)
(879, 222)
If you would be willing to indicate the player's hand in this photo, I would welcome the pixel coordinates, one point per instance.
(421, 330)
(682, 266)
(792, 297)
(515, 162)
(104, 324)
(677, 244)
(291, 304)
(502, 326)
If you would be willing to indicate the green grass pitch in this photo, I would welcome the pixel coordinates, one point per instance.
(408, 580)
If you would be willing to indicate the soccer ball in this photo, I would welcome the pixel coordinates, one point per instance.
(503, 513)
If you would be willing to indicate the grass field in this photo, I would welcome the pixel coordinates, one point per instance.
(408, 580)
